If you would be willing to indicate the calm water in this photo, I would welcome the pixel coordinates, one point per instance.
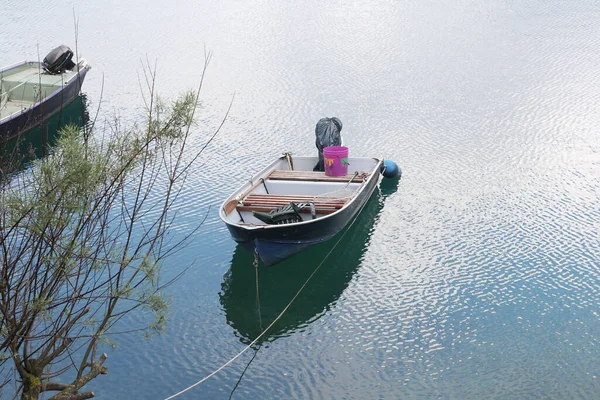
(476, 277)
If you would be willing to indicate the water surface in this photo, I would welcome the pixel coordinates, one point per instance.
(476, 277)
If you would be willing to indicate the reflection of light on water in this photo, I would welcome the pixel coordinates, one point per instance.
(480, 104)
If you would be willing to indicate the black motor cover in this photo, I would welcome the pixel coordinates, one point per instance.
(59, 60)
(328, 133)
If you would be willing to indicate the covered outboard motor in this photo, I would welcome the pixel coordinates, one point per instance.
(328, 132)
(59, 60)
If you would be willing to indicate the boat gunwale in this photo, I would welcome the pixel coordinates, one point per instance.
(15, 65)
(374, 174)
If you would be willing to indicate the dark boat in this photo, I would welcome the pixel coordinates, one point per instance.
(31, 91)
(288, 207)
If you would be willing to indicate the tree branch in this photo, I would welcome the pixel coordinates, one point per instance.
(51, 386)
(70, 392)
(82, 396)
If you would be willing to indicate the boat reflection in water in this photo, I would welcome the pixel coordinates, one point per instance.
(278, 285)
(35, 142)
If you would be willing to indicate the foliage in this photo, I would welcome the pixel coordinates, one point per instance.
(82, 242)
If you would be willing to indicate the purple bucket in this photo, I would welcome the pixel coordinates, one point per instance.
(336, 160)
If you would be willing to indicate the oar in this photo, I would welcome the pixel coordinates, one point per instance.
(351, 179)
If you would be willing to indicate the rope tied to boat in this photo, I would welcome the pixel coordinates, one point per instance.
(290, 161)
(255, 263)
(345, 193)
(273, 322)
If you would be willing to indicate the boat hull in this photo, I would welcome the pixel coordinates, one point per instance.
(42, 110)
(276, 243)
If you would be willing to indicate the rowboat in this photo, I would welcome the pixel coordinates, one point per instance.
(32, 91)
(287, 207)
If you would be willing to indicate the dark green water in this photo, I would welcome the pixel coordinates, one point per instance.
(476, 277)
(35, 142)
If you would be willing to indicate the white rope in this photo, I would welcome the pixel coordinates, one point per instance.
(340, 194)
(272, 323)
(345, 193)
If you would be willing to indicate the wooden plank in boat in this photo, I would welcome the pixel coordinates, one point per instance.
(295, 198)
(281, 200)
(314, 176)
(278, 203)
(285, 203)
(231, 205)
(318, 210)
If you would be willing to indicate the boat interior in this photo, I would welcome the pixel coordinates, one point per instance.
(25, 85)
(314, 194)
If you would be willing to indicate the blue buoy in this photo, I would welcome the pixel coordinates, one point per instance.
(390, 169)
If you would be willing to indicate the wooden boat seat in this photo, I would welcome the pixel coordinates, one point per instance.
(268, 202)
(318, 210)
(283, 199)
(314, 176)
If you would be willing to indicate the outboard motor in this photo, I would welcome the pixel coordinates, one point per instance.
(59, 60)
(328, 132)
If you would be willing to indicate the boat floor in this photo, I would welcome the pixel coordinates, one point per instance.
(12, 107)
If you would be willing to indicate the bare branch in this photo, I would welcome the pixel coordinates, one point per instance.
(83, 237)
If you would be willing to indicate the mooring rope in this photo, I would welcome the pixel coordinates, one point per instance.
(255, 263)
(345, 193)
(244, 372)
(272, 323)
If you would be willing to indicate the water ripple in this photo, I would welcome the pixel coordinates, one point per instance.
(475, 279)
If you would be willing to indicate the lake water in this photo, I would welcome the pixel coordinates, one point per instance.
(476, 276)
